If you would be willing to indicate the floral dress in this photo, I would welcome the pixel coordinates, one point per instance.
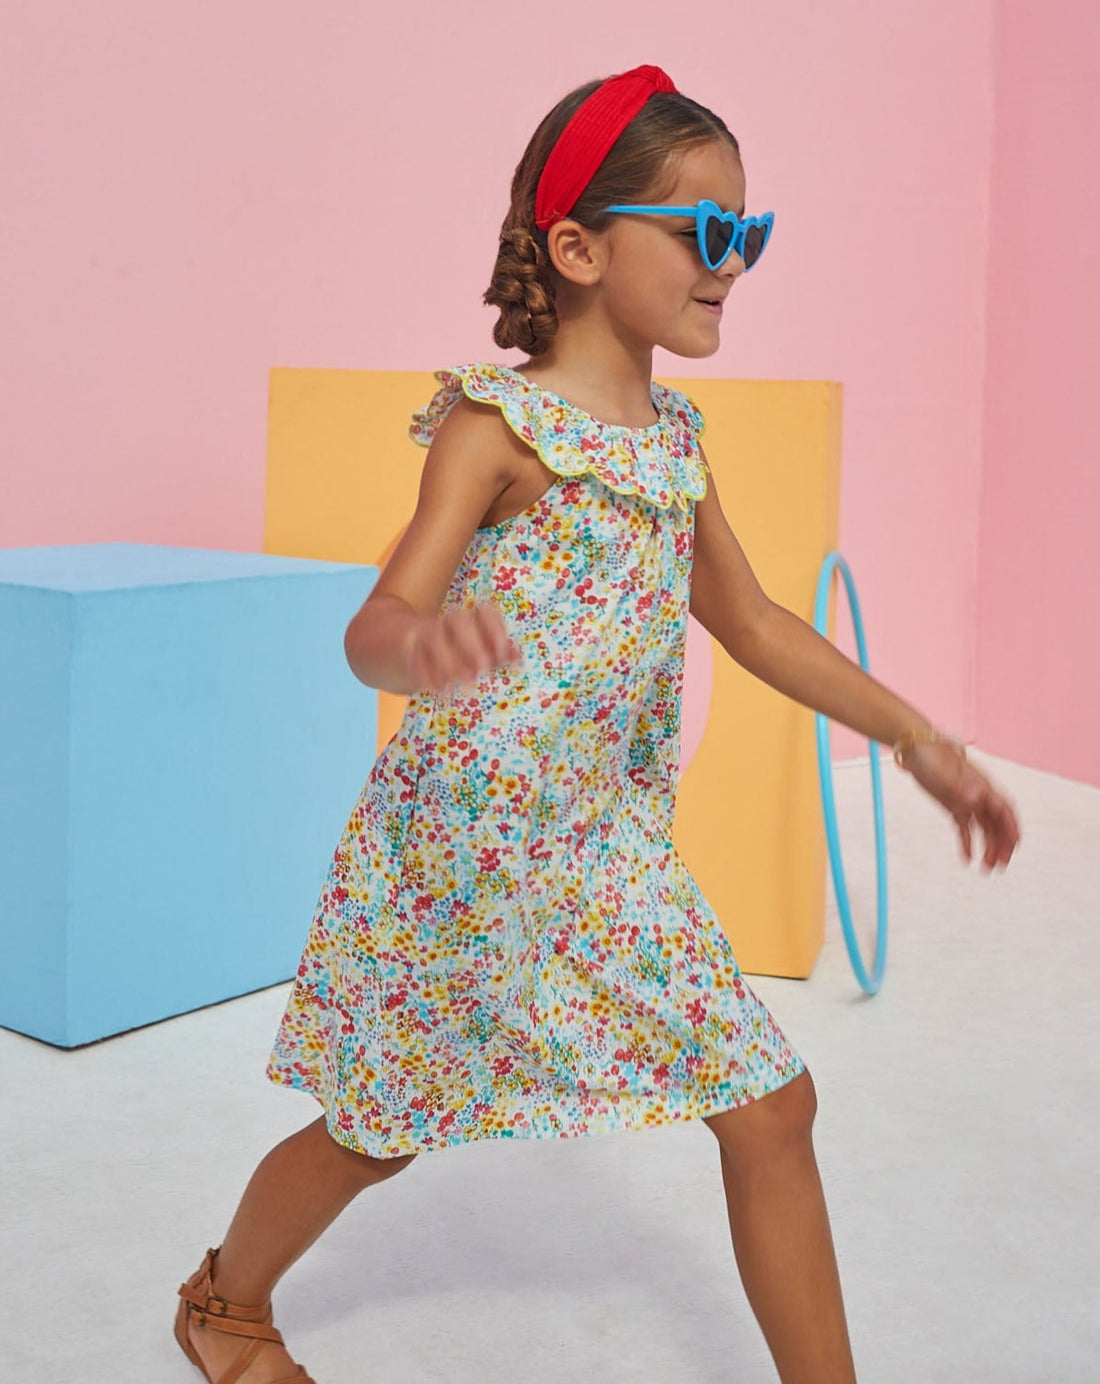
(507, 944)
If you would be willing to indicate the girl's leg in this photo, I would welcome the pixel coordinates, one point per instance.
(781, 1236)
(296, 1192)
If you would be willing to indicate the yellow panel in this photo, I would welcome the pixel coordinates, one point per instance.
(342, 483)
(342, 473)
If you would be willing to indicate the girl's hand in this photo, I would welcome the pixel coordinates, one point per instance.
(458, 647)
(970, 798)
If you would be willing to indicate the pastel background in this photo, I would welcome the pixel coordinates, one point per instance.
(196, 194)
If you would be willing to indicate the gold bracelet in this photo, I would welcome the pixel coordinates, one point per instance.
(927, 734)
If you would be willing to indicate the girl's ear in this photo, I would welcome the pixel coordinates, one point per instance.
(575, 252)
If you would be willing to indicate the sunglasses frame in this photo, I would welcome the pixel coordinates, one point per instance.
(703, 212)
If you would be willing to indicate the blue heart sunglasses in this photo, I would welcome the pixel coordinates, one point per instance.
(720, 232)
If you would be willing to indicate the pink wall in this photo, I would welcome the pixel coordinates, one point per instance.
(198, 193)
(1039, 589)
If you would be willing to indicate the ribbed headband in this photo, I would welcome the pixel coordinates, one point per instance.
(587, 139)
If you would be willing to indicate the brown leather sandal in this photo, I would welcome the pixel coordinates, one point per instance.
(202, 1303)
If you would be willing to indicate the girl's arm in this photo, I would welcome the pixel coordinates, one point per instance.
(777, 646)
(784, 651)
(397, 640)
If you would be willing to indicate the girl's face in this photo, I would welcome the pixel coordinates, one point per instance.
(654, 275)
(640, 281)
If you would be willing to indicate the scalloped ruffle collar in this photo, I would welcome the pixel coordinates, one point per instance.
(660, 463)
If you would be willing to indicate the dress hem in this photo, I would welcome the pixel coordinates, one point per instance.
(611, 1121)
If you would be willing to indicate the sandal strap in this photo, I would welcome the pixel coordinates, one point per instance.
(234, 1318)
(241, 1364)
(232, 1326)
(252, 1320)
(203, 1295)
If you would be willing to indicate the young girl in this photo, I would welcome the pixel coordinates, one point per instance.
(507, 944)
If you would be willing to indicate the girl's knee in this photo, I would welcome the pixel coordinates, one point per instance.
(764, 1126)
(372, 1169)
(802, 1095)
(390, 1166)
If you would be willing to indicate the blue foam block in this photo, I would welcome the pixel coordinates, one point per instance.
(181, 745)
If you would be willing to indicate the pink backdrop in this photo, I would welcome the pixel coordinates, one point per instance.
(197, 193)
(1039, 590)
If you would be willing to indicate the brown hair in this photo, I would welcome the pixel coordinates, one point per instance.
(641, 166)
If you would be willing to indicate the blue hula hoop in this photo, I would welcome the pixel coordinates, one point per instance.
(828, 804)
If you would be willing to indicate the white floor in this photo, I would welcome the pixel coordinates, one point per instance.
(957, 1136)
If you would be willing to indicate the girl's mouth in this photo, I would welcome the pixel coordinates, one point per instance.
(711, 305)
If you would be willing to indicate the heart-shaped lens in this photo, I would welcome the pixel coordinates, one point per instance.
(754, 243)
(717, 236)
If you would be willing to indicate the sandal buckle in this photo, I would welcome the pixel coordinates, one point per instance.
(215, 1297)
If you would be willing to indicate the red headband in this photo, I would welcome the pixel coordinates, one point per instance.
(587, 139)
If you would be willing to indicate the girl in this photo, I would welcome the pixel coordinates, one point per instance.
(507, 945)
